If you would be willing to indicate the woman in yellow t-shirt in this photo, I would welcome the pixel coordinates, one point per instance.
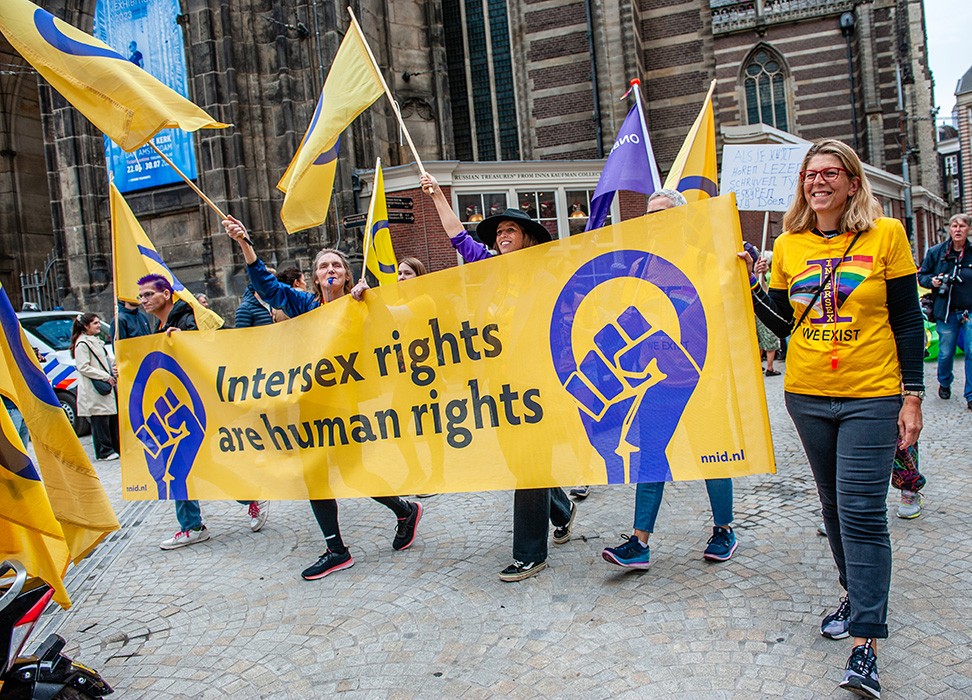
(843, 288)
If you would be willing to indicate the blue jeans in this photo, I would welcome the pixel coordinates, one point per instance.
(188, 515)
(648, 499)
(533, 511)
(850, 444)
(949, 332)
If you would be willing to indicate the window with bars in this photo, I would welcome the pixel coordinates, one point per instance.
(480, 67)
(764, 85)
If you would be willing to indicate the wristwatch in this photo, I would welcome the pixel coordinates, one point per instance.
(920, 395)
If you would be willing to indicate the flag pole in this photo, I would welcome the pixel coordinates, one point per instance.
(391, 98)
(655, 177)
(368, 242)
(192, 185)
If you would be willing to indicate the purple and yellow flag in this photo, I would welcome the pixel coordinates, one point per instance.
(53, 510)
(134, 256)
(353, 84)
(121, 99)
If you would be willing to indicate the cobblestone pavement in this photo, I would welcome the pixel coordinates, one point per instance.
(232, 618)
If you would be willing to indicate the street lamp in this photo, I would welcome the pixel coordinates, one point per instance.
(847, 22)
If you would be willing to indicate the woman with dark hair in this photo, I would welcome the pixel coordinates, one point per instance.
(93, 364)
(331, 280)
(848, 278)
(533, 509)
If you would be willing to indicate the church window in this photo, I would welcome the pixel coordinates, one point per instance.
(764, 85)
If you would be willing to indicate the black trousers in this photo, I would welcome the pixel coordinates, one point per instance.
(104, 435)
(326, 512)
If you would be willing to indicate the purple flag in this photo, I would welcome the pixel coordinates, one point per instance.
(630, 166)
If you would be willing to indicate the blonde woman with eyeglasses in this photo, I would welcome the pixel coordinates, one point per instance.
(843, 287)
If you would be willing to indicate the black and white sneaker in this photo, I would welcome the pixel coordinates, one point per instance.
(405, 531)
(861, 676)
(561, 535)
(518, 570)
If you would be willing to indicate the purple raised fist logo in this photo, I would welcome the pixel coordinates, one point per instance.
(631, 380)
(172, 431)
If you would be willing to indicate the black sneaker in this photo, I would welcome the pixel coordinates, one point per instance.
(405, 532)
(562, 534)
(944, 392)
(328, 564)
(518, 570)
(861, 676)
(837, 624)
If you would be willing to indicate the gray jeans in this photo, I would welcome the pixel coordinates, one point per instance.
(850, 445)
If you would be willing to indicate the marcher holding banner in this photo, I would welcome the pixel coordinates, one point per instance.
(635, 552)
(332, 279)
(533, 509)
(849, 278)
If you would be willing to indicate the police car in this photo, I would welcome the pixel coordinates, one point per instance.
(50, 333)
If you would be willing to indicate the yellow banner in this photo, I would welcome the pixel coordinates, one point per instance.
(624, 354)
(379, 251)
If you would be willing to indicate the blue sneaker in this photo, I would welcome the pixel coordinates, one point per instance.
(861, 676)
(837, 624)
(721, 545)
(632, 554)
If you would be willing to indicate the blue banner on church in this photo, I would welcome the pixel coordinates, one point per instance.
(147, 33)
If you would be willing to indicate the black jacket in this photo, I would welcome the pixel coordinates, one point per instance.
(181, 316)
(957, 296)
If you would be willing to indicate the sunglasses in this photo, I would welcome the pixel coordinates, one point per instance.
(828, 174)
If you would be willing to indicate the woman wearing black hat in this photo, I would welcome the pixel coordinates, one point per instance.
(532, 508)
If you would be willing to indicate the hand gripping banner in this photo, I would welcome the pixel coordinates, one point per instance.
(621, 355)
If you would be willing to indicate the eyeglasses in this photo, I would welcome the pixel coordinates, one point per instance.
(828, 174)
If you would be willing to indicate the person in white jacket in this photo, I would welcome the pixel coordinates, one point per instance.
(94, 365)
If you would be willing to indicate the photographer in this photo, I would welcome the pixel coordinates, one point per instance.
(947, 271)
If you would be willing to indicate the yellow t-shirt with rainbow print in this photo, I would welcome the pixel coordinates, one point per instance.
(844, 347)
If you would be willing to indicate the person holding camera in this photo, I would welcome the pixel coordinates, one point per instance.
(947, 271)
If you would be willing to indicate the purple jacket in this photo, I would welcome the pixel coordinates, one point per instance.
(469, 248)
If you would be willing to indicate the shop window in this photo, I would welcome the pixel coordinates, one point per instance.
(540, 206)
(578, 209)
(473, 208)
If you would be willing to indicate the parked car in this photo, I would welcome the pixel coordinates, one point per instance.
(50, 333)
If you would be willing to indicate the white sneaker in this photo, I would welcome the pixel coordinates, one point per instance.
(910, 505)
(110, 458)
(185, 538)
(258, 512)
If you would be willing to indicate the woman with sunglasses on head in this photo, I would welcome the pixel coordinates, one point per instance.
(843, 285)
(331, 280)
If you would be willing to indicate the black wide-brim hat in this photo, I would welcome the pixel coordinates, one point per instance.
(486, 230)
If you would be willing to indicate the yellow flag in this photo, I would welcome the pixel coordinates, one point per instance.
(45, 524)
(352, 85)
(134, 256)
(379, 252)
(119, 98)
(694, 172)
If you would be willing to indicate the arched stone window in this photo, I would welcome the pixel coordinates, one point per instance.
(764, 79)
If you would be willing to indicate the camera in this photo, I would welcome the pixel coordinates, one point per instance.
(947, 281)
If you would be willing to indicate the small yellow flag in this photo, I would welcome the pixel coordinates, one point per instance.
(134, 256)
(694, 172)
(379, 252)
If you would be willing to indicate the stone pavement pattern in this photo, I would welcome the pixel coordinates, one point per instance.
(232, 618)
